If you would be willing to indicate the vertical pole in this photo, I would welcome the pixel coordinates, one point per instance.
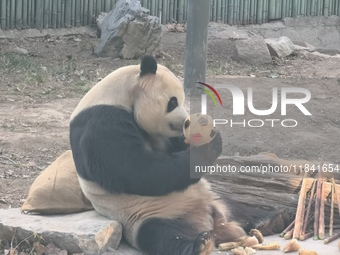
(3, 15)
(196, 43)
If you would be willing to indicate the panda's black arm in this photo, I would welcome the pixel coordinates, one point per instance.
(109, 149)
(177, 144)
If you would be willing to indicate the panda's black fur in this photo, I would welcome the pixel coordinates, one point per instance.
(137, 171)
(165, 172)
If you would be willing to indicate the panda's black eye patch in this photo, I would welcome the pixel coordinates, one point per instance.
(172, 104)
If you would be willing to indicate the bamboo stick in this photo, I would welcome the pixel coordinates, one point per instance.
(295, 9)
(284, 8)
(99, 7)
(95, 13)
(171, 7)
(8, 14)
(108, 5)
(272, 6)
(59, 23)
(290, 226)
(223, 10)
(3, 15)
(317, 208)
(305, 236)
(164, 9)
(326, 8)
(303, 8)
(78, 11)
(29, 13)
(300, 209)
(54, 14)
(24, 13)
(289, 234)
(63, 5)
(39, 12)
(322, 213)
(251, 11)
(330, 10)
(278, 10)
(82, 10)
(311, 199)
(312, 8)
(290, 8)
(336, 194)
(332, 238)
(68, 10)
(235, 12)
(180, 11)
(259, 12)
(241, 10)
(103, 5)
(12, 17)
(46, 13)
(18, 14)
(216, 10)
(265, 16)
(91, 15)
(332, 209)
(246, 12)
(73, 13)
(153, 8)
(308, 8)
(50, 14)
(219, 11)
(34, 13)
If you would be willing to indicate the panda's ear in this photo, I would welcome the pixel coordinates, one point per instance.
(148, 65)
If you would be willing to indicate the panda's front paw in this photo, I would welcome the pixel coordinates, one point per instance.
(215, 147)
(206, 154)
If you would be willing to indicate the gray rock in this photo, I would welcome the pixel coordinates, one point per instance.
(20, 50)
(86, 232)
(100, 19)
(280, 47)
(128, 31)
(253, 51)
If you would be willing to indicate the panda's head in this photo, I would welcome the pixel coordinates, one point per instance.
(159, 100)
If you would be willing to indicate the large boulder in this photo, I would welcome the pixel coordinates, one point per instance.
(280, 47)
(128, 31)
(252, 50)
(86, 232)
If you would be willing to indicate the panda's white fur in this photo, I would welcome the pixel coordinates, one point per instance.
(192, 211)
(125, 88)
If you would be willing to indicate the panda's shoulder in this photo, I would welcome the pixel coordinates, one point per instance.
(103, 117)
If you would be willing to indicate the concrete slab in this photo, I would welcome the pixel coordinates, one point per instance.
(88, 219)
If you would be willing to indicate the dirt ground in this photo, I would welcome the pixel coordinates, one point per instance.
(38, 92)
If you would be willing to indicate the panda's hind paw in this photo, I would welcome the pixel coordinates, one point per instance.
(204, 244)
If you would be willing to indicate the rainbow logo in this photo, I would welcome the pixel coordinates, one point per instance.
(209, 93)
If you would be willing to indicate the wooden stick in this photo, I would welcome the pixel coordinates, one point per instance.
(322, 213)
(332, 238)
(289, 234)
(332, 209)
(300, 209)
(305, 236)
(336, 194)
(317, 207)
(290, 226)
(311, 199)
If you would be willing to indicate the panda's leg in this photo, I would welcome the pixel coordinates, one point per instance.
(173, 237)
(224, 231)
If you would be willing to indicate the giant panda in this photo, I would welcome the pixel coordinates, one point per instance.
(134, 166)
